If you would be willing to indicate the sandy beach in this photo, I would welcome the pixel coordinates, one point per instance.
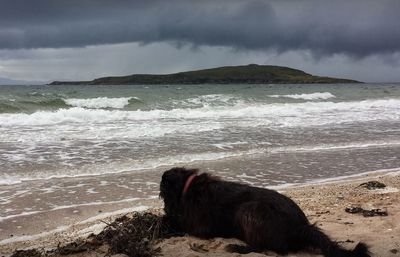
(324, 203)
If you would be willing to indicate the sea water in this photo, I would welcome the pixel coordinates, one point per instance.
(110, 143)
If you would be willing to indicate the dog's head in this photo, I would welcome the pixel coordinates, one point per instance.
(172, 184)
(173, 181)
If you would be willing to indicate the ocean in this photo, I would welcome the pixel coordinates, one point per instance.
(64, 147)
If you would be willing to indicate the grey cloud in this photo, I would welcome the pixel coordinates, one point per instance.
(123, 59)
(356, 28)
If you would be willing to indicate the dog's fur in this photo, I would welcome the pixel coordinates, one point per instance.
(263, 218)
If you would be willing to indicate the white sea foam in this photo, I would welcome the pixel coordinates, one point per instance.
(99, 102)
(370, 174)
(208, 100)
(113, 213)
(19, 215)
(229, 145)
(63, 207)
(117, 130)
(173, 160)
(66, 135)
(284, 113)
(335, 147)
(126, 166)
(312, 96)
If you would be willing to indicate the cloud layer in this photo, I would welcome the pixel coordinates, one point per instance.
(123, 59)
(356, 28)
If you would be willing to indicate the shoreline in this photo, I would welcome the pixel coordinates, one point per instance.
(322, 200)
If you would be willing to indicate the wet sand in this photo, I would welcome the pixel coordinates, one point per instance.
(40, 206)
(323, 203)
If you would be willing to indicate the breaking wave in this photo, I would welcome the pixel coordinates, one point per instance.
(284, 114)
(208, 100)
(100, 102)
(312, 96)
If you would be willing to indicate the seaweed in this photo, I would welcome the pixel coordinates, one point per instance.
(28, 253)
(372, 185)
(77, 247)
(366, 213)
(134, 234)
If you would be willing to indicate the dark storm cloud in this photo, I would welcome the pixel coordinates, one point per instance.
(353, 27)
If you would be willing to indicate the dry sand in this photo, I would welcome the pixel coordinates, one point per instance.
(323, 203)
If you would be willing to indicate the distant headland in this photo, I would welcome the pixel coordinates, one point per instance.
(247, 74)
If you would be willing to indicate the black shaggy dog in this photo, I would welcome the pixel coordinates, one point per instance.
(206, 207)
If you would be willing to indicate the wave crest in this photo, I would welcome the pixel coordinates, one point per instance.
(99, 102)
(208, 100)
(312, 96)
(280, 114)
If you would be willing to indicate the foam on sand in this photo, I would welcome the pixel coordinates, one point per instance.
(129, 166)
(65, 228)
(335, 147)
(346, 178)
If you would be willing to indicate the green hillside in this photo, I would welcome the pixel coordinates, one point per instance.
(248, 74)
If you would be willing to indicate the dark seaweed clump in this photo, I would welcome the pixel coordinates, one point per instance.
(372, 185)
(27, 253)
(134, 234)
(366, 213)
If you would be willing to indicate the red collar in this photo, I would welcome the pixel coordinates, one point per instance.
(188, 182)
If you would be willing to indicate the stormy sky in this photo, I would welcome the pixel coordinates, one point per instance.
(84, 39)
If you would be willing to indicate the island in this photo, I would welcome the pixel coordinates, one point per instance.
(246, 74)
